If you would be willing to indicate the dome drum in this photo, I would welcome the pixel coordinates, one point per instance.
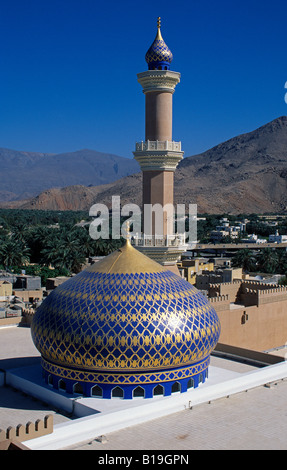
(126, 386)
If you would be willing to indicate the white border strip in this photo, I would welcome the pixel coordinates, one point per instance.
(83, 429)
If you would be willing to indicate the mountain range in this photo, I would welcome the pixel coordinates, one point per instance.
(26, 174)
(246, 174)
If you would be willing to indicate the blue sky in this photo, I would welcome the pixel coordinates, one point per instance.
(68, 71)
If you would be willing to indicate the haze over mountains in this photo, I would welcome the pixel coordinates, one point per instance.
(27, 174)
(245, 174)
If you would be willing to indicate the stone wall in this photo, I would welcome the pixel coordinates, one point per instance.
(231, 289)
(254, 318)
(28, 431)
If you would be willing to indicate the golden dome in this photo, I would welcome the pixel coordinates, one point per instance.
(125, 260)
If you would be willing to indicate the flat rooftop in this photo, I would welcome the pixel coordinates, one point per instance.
(253, 419)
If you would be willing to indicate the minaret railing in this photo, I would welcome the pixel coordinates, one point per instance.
(159, 241)
(149, 145)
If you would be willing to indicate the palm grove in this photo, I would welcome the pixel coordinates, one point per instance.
(53, 243)
(48, 243)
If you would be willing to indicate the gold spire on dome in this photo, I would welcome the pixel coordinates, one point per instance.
(128, 235)
(159, 36)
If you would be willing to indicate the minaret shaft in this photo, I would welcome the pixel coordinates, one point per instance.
(158, 188)
(158, 156)
(158, 115)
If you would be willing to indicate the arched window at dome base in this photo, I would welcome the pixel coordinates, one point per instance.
(127, 390)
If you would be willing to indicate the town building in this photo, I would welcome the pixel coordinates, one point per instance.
(252, 313)
(253, 238)
(191, 268)
(53, 282)
(225, 230)
(20, 294)
(28, 288)
(5, 290)
(276, 238)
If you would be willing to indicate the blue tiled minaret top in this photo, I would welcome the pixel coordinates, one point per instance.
(158, 56)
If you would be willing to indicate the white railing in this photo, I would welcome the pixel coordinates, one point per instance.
(157, 241)
(158, 145)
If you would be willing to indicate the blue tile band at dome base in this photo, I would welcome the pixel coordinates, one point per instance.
(126, 321)
(91, 384)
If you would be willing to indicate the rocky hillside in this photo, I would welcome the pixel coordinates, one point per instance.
(245, 174)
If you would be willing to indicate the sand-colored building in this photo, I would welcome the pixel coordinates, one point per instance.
(252, 313)
(5, 289)
(190, 268)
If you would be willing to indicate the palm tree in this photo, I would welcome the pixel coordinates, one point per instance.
(244, 259)
(63, 251)
(282, 265)
(36, 240)
(13, 253)
(19, 232)
(268, 261)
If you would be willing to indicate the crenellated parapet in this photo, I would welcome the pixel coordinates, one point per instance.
(247, 292)
(219, 298)
(30, 430)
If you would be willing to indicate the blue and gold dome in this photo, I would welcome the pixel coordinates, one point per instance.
(125, 326)
(159, 56)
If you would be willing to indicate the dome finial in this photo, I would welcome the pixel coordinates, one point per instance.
(159, 36)
(127, 233)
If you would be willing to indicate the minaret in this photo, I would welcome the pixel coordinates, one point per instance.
(159, 155)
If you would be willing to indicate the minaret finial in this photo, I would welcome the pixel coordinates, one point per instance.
(159, 36)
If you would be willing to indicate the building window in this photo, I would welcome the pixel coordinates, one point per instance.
(138, 392)
(117, 392)
(175, 387)
(62, 385)
(158, 390)
(97, 391)
(78, 389)
(190, 383)
(50, 380)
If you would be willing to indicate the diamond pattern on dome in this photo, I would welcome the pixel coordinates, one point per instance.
(158, 52)
(125, 322)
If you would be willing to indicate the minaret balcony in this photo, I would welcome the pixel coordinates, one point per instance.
(158, 155)
(158, 80)
(177, 240)
(166, 250)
